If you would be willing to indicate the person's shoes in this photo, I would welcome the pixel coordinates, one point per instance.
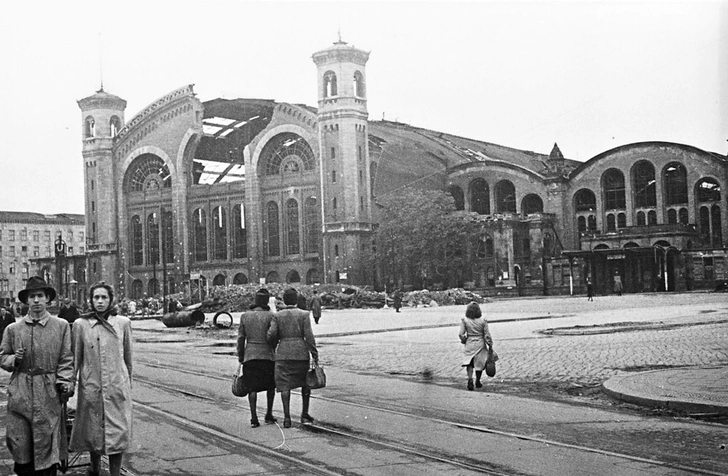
(470, 384)
(478, 384)
(254, 423)
(286, 423)
(269, 418)
(306, 418)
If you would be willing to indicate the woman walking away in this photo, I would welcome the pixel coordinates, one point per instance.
(475, 335)
(291, 328)
(257, 356)
(102, 354)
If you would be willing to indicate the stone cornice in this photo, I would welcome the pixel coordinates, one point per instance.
(181, 93)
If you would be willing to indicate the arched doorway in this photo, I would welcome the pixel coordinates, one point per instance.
(293, 277)
(240, 278)
(219, 280)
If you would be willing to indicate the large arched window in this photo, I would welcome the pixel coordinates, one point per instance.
(199, 227)
(644, 185)
(585, 201)
(152, 239)
(613, 186)
(531, 203)
(505, 197)
(480, 196)
(240, 234)
(330, 89)
(458, 196)
(675, 182)
(708, 190)
(286, 152)
(292, 225)
(147, 172)
(137, 241)
(272, 230)
(312, 225)
(219, 233)
(359, 87)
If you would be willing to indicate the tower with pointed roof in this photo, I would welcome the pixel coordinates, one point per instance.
(102, 116)
(342, 128)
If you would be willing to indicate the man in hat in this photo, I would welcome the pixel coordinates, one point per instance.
(37, 350)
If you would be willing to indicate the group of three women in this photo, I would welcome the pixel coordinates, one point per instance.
(274, 348)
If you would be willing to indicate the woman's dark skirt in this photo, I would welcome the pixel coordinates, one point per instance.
(259, 375)
(290, 374)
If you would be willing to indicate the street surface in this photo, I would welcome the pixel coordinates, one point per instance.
(396, 401)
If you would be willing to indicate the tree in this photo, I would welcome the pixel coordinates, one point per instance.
(421, 238)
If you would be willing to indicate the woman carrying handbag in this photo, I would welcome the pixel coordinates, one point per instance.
(475, 335)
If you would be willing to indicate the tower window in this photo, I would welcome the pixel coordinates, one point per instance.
(89, 129)
(359, 88)
(330, 84)
(114, 126)
(333, 176)
(333, 203)
(333, 153)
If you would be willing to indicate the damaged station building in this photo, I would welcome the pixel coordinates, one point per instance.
(231, 191)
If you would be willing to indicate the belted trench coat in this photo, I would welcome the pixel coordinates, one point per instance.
(103, 361)
(36, 431)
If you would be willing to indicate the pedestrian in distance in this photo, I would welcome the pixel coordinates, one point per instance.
(256, 356)
(5, 320)
(291, 331)
(397, 300)
(37, 350)
(315, 306)
(589, 289)
(102, 346)
(617, 283)
(302, 304)
(475, 335)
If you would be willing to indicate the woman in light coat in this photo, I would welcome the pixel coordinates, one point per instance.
(103, 361)
(475, 335)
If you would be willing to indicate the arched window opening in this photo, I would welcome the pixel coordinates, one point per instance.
(312, 225)
(293, 277)
(272, 277)
(219, 280)
(292, 222)
(675, 181)
(458, 196)
(644, 184)
(89, 127)
(137, 241)
(704, 224)
(312, 276)
(372, 176)
(611, 224)
(137, 289)
(641, 219)
(240, 278)
(683, 214)
(505, 197)
(272, 229)
(601, 247)
(330, 89)
(531, 203)
(631, 244)
(717, 233)
(359, 87)
(671, 216)
(581, 223)
(199, 220)
(489, 247)
(147, 172)
(114, 126)
(333, 176)
(152, 239)
(614, 192)
(585, 201)
(153, 287)
(708, 190)
(286, 152)
(480, 251)
(480, 196)
(240, 233)
(548, 244)
(652, 218)
(621, 220)
(219, 233)
(592, 222)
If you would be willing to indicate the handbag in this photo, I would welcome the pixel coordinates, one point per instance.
(239, 387)
(316, 378)
(490, 363)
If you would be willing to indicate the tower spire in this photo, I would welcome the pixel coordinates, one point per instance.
(101, 66)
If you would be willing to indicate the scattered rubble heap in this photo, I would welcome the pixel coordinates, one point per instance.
(239, 297)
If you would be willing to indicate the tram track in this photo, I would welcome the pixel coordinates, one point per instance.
(413, 450)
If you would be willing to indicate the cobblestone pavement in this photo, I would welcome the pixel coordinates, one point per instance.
(583, 349)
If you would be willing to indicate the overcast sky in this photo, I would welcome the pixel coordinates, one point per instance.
(588, 75)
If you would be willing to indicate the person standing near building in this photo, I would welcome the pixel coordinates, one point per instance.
(589, 289)
(397, 299)
(5, 320)
(315, 306)
(256, 355)
(617, 283)
(37, 350)
(102, 347)
(291, 330)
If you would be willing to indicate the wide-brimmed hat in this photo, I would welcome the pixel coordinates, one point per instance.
(35, 283)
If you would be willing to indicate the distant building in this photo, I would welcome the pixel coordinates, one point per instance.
(27, 248)
(191, 193)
